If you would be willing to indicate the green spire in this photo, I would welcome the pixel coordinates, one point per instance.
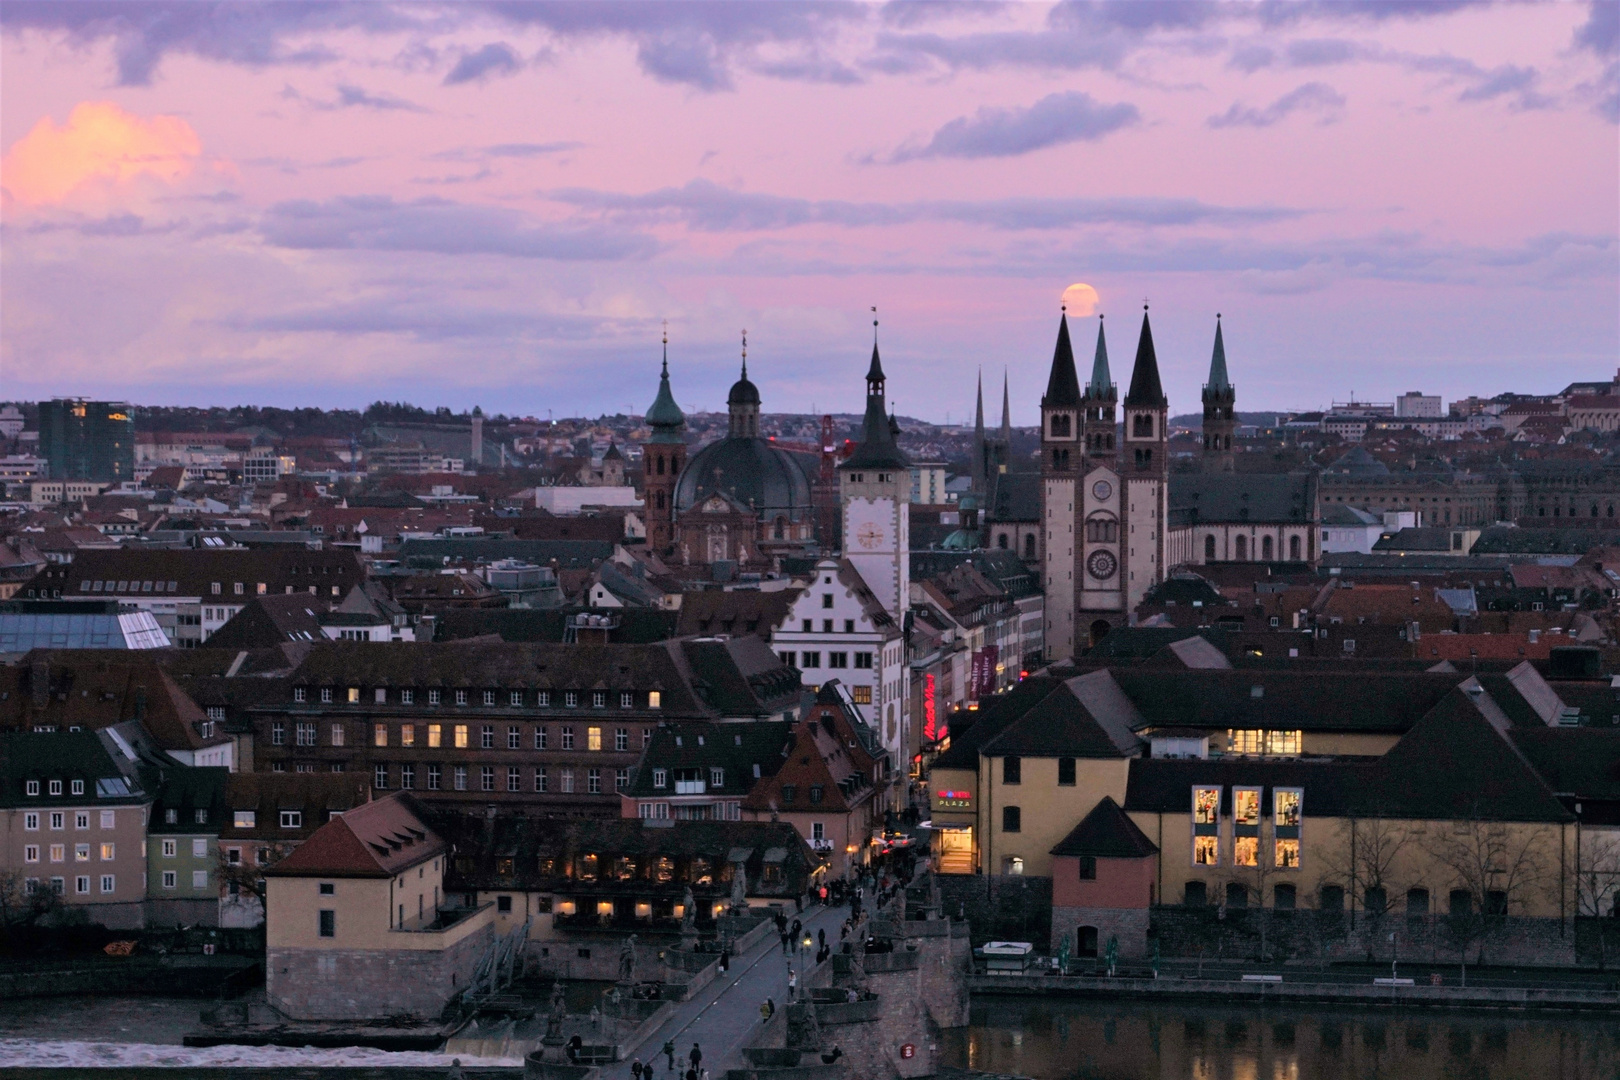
(1101, 381)
(1217, 362)
(665, 417)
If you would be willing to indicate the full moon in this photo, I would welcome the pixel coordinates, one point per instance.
(1080, 299)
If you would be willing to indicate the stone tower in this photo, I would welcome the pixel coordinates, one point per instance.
(1101, 397)
(875, 495)
(1062, 468)
(1219, 418)
(1145, 467)
(661, 461)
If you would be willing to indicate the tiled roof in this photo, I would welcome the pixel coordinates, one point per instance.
(1107, 832)
(194, 573)
(376, 839)
(1085, 717)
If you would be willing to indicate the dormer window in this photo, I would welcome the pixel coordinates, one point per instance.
(56, 787)
(32, 787)
(78, 787)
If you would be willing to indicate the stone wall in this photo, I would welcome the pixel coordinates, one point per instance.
(1306, 935)
(370, 984)
(1129, 925)
(947, 960)
(1000, 907)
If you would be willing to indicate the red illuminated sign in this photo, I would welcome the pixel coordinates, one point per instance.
(930, 712)
(907, 1050)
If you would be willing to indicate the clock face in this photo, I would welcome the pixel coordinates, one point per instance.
(1101, 565)
(869, 536)
(1102, 489)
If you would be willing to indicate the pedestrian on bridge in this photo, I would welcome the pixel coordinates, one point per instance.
(669, 1053)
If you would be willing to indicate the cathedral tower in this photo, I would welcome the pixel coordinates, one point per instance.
(1062, 462)
(661, 462)
(875, 492)
(1101, 396)
(1145, 466)
(1220, 398)
(743, 401)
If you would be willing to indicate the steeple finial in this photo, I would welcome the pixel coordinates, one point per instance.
(1218, 379)
(666, 346)
(874, 326)
(1006, 412)
(745, 352)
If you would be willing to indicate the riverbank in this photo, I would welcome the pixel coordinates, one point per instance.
(1407, 993)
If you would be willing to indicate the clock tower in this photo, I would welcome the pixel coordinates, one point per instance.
(875, 494)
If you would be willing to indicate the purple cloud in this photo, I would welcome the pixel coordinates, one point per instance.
(1311, 97)
(497, 58)
(1072, 116)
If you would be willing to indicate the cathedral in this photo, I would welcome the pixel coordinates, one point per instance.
(740, 498)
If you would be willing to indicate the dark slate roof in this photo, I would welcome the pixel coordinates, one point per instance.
(1164, 785)
(1265, 498)
(736, 611)
(1288, 700)
(64, 756)
(1183, 589)
(740, 676)
(694, 744)
(874, 371)
(1506, 540)
(877, 449)
(569, 554)
(1107, 832)
(176, 573)
(1146, 390)
(753, 472)
(187, 790)
(1456, 763)
(486, 665)
(1083, 717)
(1579, 761)
(990, 719)
(1014, 496)
(637, 626)
(743, 391)
(1063, 385)
(268, 621)
(1428, 538)
(1217, 362)
(1358, 462)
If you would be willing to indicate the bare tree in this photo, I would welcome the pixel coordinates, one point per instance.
(22, 907)
(1364, 863)
(1597, 882)
(1493, 871)
(247, 875)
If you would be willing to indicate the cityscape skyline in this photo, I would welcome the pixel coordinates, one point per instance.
(379, 202)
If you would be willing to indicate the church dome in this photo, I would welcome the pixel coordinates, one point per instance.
(750, 471)
(743, 391)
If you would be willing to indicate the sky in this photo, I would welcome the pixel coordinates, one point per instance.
(503, 204)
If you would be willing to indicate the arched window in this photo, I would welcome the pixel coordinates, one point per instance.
(1265, 548)
(1209, 547)
(1293, 548)
(660, 460)
(780, 529)
(1101, 529)
(1142, 426)
(1029, 546)
(1061, 428)
(1242, 548)
(660, 500)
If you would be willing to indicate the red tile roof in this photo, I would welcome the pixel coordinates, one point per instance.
(377, 839)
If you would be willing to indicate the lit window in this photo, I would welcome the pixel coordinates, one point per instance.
(407, 735)
(245, 819)
(655, 699)
(1246, 826)
(1206, 826)
(379, 735)
(461, 736)
(435, 737)
(593, 738)
(354, 695)
(1287, 804)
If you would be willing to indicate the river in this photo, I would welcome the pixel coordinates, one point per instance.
(1057, 1039)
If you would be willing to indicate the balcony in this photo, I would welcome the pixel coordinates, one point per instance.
(822, 844)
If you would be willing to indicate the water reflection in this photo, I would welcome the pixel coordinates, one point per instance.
(1079, 1040)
